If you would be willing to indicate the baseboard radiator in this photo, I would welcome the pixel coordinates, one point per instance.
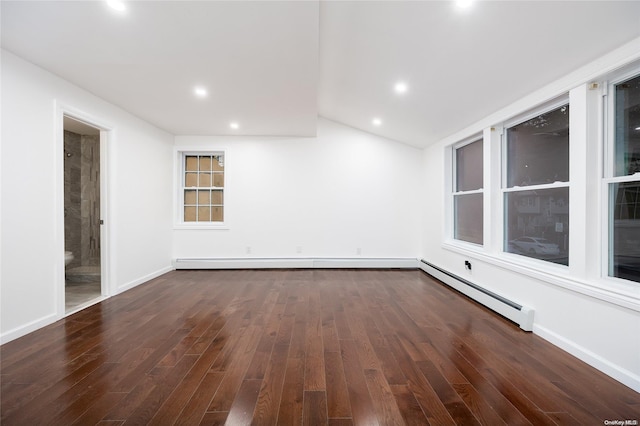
(521, 315)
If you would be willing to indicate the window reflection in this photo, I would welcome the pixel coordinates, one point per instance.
(537, 224)
(626, 230)
(538, 149)
(624, 223)
(468, 218)
(468, 208)
(627, 127)
(469, 167)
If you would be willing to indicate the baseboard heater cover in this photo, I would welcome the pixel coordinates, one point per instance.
(293, 263)
(521, 315)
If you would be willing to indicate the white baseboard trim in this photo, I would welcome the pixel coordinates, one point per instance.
(618, 373)
(50, 319)
(27, 328)
(144, 279)
(294, 263)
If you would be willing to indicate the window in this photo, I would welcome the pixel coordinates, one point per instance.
(202, 187)
(536, 187)
(468, 193)
(624, 186)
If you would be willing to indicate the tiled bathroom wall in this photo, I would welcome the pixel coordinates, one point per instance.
(90, 200)
(72, 185)
(82, 198)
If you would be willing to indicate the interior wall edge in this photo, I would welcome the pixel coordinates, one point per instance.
(143, 279)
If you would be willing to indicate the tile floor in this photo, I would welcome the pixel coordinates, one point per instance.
(79, 293)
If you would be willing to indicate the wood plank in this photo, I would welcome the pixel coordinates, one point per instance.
(169, 378)
(194, 411)
(337, 392)
(380, 391)
(314, 411)
(433, 408)
(214, 418)
(170, 410)
(492, 396)
(290, 411)
(408, 406)
(341, 422)
(266, 412)
(480, 408)
(234, 376)
(362, 407)
(456, 407)
(99, 408)
(314, 368)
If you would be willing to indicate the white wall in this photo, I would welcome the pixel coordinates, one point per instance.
(577, 308)
(139, 194)
(331, 194)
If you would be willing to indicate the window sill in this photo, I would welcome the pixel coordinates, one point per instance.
(203, 226)
(607, 289)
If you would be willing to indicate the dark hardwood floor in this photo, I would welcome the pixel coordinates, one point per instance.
(290, 347)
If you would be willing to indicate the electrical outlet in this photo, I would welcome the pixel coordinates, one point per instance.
(298, 249)
(248, 250)
(358, 251)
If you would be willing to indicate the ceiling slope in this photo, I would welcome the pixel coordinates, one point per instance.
(460, 65)
(274, 66)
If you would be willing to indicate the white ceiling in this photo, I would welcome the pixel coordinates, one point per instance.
(273, 67)
(79, 127)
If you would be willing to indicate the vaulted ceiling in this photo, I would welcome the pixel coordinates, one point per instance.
(273, 66)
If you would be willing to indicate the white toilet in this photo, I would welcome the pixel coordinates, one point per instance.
(68, 257)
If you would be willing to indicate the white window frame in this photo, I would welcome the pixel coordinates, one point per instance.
(609, 178)
(589, 142)
(179, 188)
(503, 189)
(453, 165)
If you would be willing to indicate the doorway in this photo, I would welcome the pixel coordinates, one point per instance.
(82, 214)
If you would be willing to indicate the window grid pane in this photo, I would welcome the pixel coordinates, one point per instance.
(203, 188)
(537, 224)
(627, 127)
(468, 218)
(469, 174)
(625, 230)
(538, 149)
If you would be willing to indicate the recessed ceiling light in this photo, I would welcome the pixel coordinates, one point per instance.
(117, 5)
(400, 87)
(234, 125)
(200, 92)
(376, 122)
(638, 128)
(464, 4)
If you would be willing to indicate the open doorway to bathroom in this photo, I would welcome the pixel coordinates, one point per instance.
(82, 221)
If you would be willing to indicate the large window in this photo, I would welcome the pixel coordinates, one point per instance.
(202, 187)
(468, 193)
(536, 187)
(624, 186)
